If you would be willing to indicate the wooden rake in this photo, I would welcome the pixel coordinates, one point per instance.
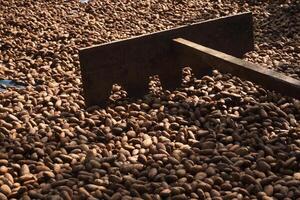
(217, 43)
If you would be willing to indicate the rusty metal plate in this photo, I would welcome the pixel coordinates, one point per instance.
(130, 62)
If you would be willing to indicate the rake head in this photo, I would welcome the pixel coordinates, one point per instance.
(130, 62)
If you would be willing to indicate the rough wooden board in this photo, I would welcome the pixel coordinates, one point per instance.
(130, 62)
(226, 63)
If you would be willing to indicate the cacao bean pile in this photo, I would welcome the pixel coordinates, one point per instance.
(216, 137)
(277, 37)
